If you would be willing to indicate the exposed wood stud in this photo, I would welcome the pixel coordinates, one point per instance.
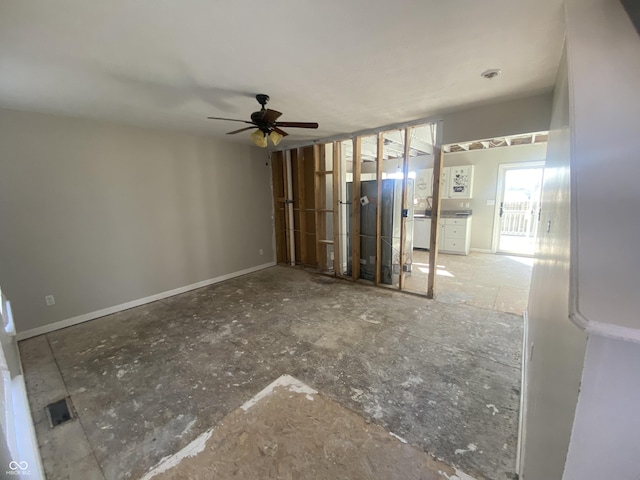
(435, 223)
(297, 156)
(379, 209)
(403, 221)
(279, 206)
(320, 197)
(288, 215)
(336, 208)
(355, 210)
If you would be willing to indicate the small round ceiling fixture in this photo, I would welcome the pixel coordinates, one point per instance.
(491, 73)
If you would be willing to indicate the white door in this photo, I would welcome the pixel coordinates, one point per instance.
(518, 207)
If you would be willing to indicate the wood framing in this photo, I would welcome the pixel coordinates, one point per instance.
(309, 204)
(320, 195)
(405, 205)
(355, 209)
(438, 156)
(288, 208)
(336, 207)
(279, 206)
(297, 158)
(379, 160)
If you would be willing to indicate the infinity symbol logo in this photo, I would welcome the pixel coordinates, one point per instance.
(13, 465)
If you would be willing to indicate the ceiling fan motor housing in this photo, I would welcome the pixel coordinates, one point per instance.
(262, 99)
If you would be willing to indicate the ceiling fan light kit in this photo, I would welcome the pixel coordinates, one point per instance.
(259, 138)
(275, 137)
(266, 124)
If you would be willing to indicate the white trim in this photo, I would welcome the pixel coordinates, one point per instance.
(608, 330)
(481, 250)
(522, 421)
(85, 317)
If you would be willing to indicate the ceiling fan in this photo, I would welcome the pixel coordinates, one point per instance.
(266, 124)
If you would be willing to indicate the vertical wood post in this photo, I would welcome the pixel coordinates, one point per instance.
(379, 160)
(405, 204)
(336, 208)
(438, 159)
(355, 209)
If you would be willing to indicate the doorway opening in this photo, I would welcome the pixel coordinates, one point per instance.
(518, 215)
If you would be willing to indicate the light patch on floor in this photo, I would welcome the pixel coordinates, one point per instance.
(496, 282)
(285, 381)
(289, 431)
(191, 450)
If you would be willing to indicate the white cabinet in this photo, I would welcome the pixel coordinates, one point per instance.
(421, 232)
(455, 235)
(456, 182)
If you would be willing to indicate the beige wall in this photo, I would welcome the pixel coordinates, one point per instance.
(524, 115)
(555, 347)
(485, 180)
(99, 214)
(605, 442)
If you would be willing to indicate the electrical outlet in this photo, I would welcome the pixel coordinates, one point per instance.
(50, 300)
(261, 252)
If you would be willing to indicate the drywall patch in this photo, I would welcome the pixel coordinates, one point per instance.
(459, 475)
(398, 437)
(170, 461)
(470, 448)
(286, 381)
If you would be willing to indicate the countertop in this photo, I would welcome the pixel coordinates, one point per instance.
(445, 214)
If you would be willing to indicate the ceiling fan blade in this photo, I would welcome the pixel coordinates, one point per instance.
(270, 116)
(297, 124)
(241, 130)
(281, 132)
(230, 120)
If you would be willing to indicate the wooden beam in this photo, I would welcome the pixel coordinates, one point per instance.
(336, 208)
(288, 217)
(318, 160)
(379, 209)
(355, 210)
(435, 223)
(298, 155)
(405, 204)
(279, 206)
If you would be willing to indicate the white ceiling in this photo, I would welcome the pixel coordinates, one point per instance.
(349, 65)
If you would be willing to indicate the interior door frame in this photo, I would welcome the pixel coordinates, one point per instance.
(502, 169)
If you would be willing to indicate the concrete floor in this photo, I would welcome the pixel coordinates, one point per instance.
(497, 282)
(289, 431)
(147, 381)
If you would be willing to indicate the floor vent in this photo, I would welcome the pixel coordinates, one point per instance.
(59, 412)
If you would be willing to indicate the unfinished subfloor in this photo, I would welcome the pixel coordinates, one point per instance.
(147, 381)
(487, 280)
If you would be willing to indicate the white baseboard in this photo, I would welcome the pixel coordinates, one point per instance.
(85, 317)
(481, 250)
(522, 425)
